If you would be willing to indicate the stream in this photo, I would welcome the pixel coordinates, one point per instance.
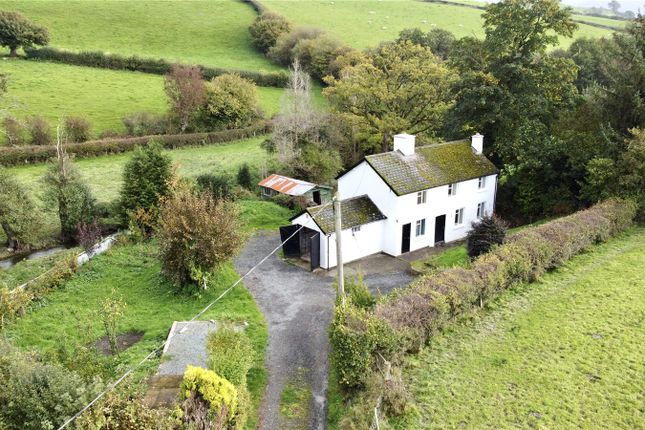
(12, 261)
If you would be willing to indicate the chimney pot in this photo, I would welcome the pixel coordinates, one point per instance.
(404, 143)
(478, 143)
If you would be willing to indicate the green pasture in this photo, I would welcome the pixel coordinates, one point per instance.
(365, 23)
(104, 96)
(565, 352)
(213, 33)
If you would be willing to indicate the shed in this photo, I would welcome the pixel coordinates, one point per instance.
(278, 184)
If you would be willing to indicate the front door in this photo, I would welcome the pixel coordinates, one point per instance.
(405, 238)
(314, 247)
(316, 197)
(439, 229)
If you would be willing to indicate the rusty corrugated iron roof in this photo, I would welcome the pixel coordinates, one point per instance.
(286, 185)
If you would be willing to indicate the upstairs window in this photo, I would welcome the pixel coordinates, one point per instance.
(481, 209)
(482, 182)
(421, 227)
(459, 216)
(452, 189)
(421, 197)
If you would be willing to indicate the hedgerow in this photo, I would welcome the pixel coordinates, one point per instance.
(16, 155)
(408, 318)
(147, 65)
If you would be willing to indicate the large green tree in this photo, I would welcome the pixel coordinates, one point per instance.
(17, 31)
(400, 87)
(19, 218)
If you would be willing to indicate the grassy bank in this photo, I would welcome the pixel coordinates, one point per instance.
(103, 96)
(212, 33)
(368, 22)
(565, 352)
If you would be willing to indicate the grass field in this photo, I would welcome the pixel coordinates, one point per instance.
(213, 33)
(104, 96)
(368, 22)
(565, 352)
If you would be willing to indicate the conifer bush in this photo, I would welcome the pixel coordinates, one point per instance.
(486, 233)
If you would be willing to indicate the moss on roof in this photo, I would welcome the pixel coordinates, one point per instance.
(355, 211)
(430, 166)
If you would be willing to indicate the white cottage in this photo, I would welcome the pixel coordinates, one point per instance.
(403, 200)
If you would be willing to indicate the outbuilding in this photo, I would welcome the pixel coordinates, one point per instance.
(277, 184)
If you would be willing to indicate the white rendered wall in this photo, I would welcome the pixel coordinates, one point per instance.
(356, 245)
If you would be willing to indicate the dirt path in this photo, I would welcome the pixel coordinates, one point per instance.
(297, 305)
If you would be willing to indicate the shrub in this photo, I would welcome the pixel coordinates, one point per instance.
(36, 396)
(39, 131)
(12, 304)
(318, 53)
(267, 28)
(294, 203)
(146, 65)
(20, 220)
(38, 154)
(486, 233)
(13, 130)
(146, 179)
(196, 234)
(358, 293)
(283, 51)
(231, 102)
(53, 278)
(88, 233)
(208, 400)
(145, 124)
(77, 129)
(218, 186)
(244, 177)
(111, 310)
(71, 195)
(230, 354)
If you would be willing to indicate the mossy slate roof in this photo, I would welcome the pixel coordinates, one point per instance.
(430, 166)
(355, 211)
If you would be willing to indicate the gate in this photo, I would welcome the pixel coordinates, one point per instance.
(314, 247)
(291, 247)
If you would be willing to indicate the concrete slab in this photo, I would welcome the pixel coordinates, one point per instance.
(186, 345)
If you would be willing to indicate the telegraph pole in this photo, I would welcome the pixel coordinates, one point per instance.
(339, 247)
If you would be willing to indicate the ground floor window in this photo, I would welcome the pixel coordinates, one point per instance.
(459, 216)
(481, 209)
(266, 191)
(356, 229)
(421, 227)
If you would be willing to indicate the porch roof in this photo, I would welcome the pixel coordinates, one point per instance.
(355, 211)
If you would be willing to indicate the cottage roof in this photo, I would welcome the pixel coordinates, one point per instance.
(286, 185)
(430, 166)
(355, 211)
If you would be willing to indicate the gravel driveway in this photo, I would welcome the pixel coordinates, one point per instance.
(297, 305)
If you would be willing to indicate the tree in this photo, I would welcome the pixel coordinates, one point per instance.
(16, 31)
(615, 7)
(303, 137)
(186, 93)
(196, 234)
(244, 177)
(19, 218)
(219, 186)
(231, 102)
(316, 55)
(146, 179)
(71, 195)
(267, 28)
(438, 40)
(402, 87)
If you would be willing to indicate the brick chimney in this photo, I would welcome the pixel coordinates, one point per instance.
(477, 143)
(404, 143)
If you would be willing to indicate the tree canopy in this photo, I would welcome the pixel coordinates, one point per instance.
(17, 31)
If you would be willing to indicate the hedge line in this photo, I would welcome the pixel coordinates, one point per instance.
(147, 65)
(409, 317)
(16, 155)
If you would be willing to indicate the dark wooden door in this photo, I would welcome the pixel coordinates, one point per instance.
(291, 247)
(316, 197)
(314, 247)
(405, 238)
(440, 229)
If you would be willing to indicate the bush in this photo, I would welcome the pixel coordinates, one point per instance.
(146, 180)
(231, 102)
(10, 156)
(88, 233)
(266, 29)
(39, 131)
(244, 177)
(12, 304)
(53, 278)
(145, 124)
(196, 234)
(77, 129)
(218, 186)
(486, 233)
(283, 51)
(146, 65)
(13, 130)
(36, 396)
(318, 53)
(208, 400)
(358, 293)
(230, 354)
(294, 203)
(19, 219)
